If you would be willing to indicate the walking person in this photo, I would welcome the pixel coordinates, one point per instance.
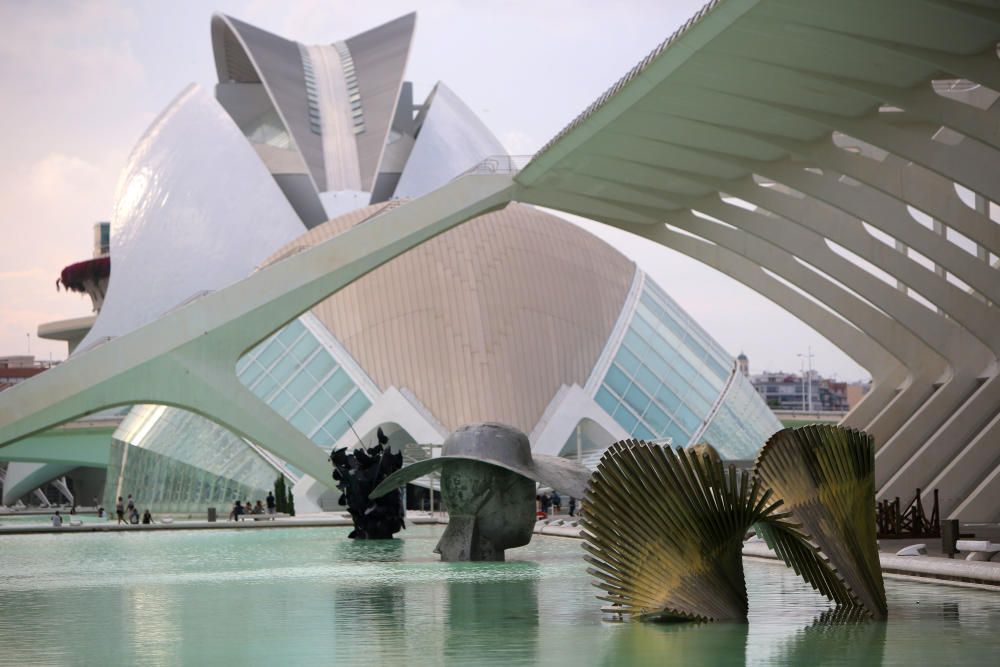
(572, 506)
(130, 506)
(556, 502)
(271, 504)
(120, 510)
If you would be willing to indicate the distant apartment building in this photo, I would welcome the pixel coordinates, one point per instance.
(805, 392)
(18, 368)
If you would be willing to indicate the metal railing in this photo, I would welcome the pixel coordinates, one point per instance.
(499, 164)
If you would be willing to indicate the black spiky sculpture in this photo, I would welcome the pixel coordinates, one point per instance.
(357, 474)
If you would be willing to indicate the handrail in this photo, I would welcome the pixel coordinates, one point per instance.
(499, 164)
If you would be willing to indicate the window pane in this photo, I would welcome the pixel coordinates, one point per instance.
(270, 353)
(284, 369)
(643, 433)
(250, 373)
(320, 365)
(647, 380)
(637, 399)
(356, 405)
(339, 384)
(626, 360)
(265, 386)
(636, 344)
(688, 419)
(291, 331)
(305, 347)
(336, 425)
(320, 404)
(617, 380)
(625, 418)
(667, 398)
(301, 386)
(656, 418)
(606, 400)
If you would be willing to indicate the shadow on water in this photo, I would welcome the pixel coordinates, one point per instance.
(492, 611)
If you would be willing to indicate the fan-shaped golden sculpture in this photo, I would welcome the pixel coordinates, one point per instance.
(664, 530)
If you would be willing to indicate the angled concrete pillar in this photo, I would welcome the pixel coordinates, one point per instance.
(187, 358)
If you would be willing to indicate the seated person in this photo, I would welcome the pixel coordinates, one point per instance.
(57, 520)
(134, 517)
(147, 518)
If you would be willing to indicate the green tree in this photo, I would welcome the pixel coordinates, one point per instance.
(280, 496)
(290, 505)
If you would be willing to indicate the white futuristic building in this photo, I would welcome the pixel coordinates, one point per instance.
(516, 316)
(839, 158)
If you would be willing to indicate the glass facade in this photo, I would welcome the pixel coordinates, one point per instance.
(294, 374)
(742, 423)
(666, 376)
(175, 461)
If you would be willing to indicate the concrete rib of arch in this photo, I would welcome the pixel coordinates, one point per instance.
(710, 109)
(681, 129)
(187, 358)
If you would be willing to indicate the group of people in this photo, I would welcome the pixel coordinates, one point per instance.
(122, 510)
(551, 503)
(127, 514)
(241, 509)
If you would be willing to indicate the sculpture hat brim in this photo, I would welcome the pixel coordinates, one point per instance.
(553, 471)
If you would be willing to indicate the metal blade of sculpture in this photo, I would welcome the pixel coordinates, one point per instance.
(825, 474)
(664, 530)
(357, 474)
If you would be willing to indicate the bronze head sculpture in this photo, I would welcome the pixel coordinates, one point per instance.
(488, 476)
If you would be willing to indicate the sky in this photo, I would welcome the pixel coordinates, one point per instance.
(83, 80)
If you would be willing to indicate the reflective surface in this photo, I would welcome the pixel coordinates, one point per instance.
(172, 460)
(668, 373)
(310, 596)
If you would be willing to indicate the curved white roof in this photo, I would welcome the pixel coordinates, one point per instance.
(195, 210)
(451, 140)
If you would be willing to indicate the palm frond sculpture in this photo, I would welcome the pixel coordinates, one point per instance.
(825, 474)
(664, 530)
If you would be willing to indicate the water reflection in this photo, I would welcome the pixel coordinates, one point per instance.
(497, 618)
(678, 644)
(368, 551)
(308, 596)
(836, 637)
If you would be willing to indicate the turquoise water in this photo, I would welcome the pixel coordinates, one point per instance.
(46, 519)
(302, 596)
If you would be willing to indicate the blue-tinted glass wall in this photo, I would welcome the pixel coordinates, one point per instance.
(666, 374)
(299, 378)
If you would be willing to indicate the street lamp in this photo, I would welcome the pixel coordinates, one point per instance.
(808, 357)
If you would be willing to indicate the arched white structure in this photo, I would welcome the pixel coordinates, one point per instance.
(832, 123)
(450, 140)
(195, 211)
